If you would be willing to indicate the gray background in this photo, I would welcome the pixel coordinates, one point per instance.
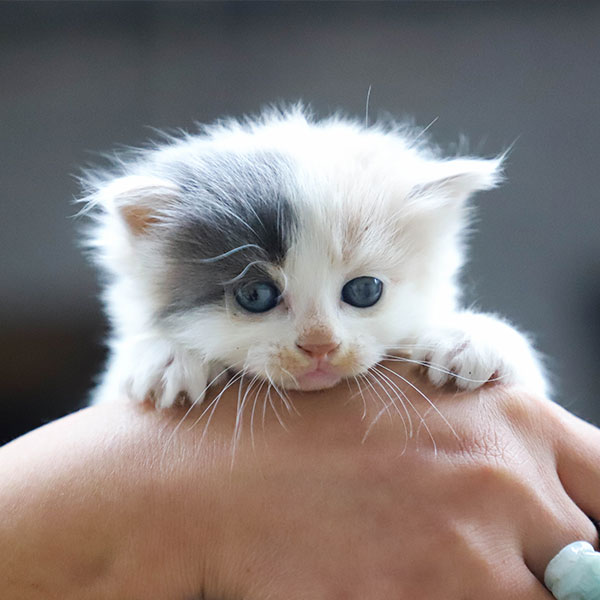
(81, 78)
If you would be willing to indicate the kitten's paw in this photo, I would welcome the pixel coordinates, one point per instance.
(453, 355)
(158, 373)
(474, 349)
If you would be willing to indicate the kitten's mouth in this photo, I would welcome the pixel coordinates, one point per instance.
(317, 379)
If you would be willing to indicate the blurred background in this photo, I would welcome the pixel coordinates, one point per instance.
(81, 78)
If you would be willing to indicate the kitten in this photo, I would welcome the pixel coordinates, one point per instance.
(295, 251)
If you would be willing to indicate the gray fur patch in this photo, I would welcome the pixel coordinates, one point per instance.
(235, 218)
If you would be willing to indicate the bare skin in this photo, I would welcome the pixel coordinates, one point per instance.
(116, 502)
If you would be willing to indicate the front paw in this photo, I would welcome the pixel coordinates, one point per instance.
(454, 356)
(472, 349)
(156, 372)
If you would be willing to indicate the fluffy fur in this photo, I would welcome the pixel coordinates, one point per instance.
(307, 206)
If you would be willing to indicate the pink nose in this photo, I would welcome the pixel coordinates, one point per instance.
(318, 350)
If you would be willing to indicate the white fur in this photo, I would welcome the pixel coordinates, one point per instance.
(372, 201)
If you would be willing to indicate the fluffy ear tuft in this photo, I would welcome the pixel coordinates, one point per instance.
(138, 200)
(453, 181)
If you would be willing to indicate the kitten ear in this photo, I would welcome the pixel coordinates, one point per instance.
(138, 200)
(453, 181)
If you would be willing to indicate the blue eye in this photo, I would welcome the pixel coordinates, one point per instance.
(362, 291)
(257, 297)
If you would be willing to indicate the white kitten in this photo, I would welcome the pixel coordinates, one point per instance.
(295, 251)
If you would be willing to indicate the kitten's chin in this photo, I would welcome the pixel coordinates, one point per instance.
(316, 380)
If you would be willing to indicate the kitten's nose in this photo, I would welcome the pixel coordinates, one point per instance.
(318, 350)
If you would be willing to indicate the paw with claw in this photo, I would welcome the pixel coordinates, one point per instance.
(472, 349)
(154, 371)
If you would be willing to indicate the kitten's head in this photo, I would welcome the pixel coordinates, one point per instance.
(302, 252)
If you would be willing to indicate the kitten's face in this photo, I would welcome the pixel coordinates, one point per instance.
(329, 309)
(300, 254)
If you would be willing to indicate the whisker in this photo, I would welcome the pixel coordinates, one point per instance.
(285, 281)
(386, 406)
(239, 413)
(372, 424)
(402, 397)
(406, 430)
(264, 408)
(272, 384)
(373, 376)
(421, 419)
(241, 405)
(294, 379)
(441, 369)
(283, 400)
(424, 131)
(418, 432)
(243, 272)
(362, 396)
(227, 385)
(284, 395)
(256, 394)
(412, 346)
(193, 404)
(275, 409)
(433, 406)
(228, 253)
(379, 414)
(286, 398)
(213, 405)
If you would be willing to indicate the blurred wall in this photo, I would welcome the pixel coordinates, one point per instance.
(78, 79)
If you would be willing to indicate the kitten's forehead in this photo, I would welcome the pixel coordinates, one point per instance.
(346, 222)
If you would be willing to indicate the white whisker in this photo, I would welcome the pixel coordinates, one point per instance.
(213, 405)
(238, 416)
(407, 435)
(270, 399)
(379, 414)
(291, 376)
(402, 398)
(243, 272)
(365, 376)
(439, 368)
(362, 396)
(283, 393)
(285, 281)
(228, 253)
(256, 394)
(421, 419)
(373, 377)
(241, 405)
(433, 406)
(412, 346)
(193, 405)
(424, 131)
(264, 408)
(372, 424)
